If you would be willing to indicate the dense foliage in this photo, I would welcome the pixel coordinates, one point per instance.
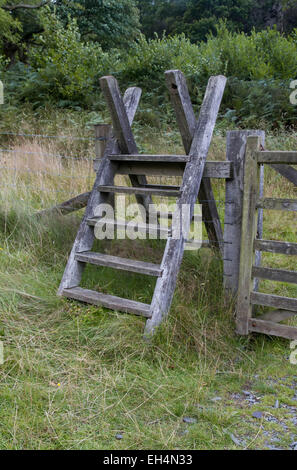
(77, 42)
(113, 23)
(196, 18)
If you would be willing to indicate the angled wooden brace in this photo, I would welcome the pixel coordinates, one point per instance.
(123, 131)
(187, 123)
(287, 171)
(105, 175)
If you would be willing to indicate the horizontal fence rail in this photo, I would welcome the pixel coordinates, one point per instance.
(276, 157)
(277, 204)
(272, 246)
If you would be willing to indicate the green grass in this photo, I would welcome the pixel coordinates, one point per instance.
(76, 375)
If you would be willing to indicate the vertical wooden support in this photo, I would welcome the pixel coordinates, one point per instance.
(236, 150)
(101, 132)
(248, 235)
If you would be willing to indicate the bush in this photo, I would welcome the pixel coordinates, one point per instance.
(63, 68)
(262, 55)
(260, 103)
(259, 68)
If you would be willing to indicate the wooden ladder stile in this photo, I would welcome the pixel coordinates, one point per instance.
(121, 157)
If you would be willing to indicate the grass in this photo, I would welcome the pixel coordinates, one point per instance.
(76, 375)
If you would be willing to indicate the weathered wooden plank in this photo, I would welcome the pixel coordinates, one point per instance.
(105, 175)
(74, 204)
(115, 262)
(186, 120)
(278, 204)
(272, 329)
(276, 301)
(215, 169)
(236, 149)
(287, 171)
(273, 157)
(277, 316)
(139, 190)
(248, 232)
(212, 169)
(108, 301)
(151, 169)
(150, 158)
(191, 184)
(271, 246)
(272, 274)
(123, 131)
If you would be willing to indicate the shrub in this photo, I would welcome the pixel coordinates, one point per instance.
(62, 67)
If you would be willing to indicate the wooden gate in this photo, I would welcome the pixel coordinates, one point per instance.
(283, 307)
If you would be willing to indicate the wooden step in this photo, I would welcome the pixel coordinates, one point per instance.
(151, 158)
(107, 301)
(140, 190)
(142, 227)
(116, 262)
(167, 166)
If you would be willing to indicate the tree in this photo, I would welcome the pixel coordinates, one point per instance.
(197, 18)
(18, 24)
(112, 23)
(157, 16)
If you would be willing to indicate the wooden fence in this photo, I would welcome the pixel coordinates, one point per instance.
(284, 307)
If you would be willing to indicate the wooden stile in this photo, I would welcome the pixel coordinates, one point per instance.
(105, 174)
(121, 157)
(186, 120)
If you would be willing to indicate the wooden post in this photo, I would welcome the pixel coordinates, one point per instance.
(102, 132)
(248, 235)
(236, 149)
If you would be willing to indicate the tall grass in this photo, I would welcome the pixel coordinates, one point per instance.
(75, 375)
